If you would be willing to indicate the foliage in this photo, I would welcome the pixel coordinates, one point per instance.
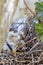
(39, 12)
(39, 28)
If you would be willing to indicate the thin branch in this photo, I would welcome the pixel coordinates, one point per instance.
(34, 14)
(34, 46)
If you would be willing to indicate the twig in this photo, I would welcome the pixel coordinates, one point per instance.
(28, 42)
(32, 60)
(34, 14)
(34, 46)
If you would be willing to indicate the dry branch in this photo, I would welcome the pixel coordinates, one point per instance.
(34, 14)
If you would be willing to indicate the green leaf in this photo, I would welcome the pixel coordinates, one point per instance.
(39, 10)
(39, 29)
(39, 6)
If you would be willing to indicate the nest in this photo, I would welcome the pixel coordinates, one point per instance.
(29, 54)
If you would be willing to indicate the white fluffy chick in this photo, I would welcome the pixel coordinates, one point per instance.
(13, 40)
